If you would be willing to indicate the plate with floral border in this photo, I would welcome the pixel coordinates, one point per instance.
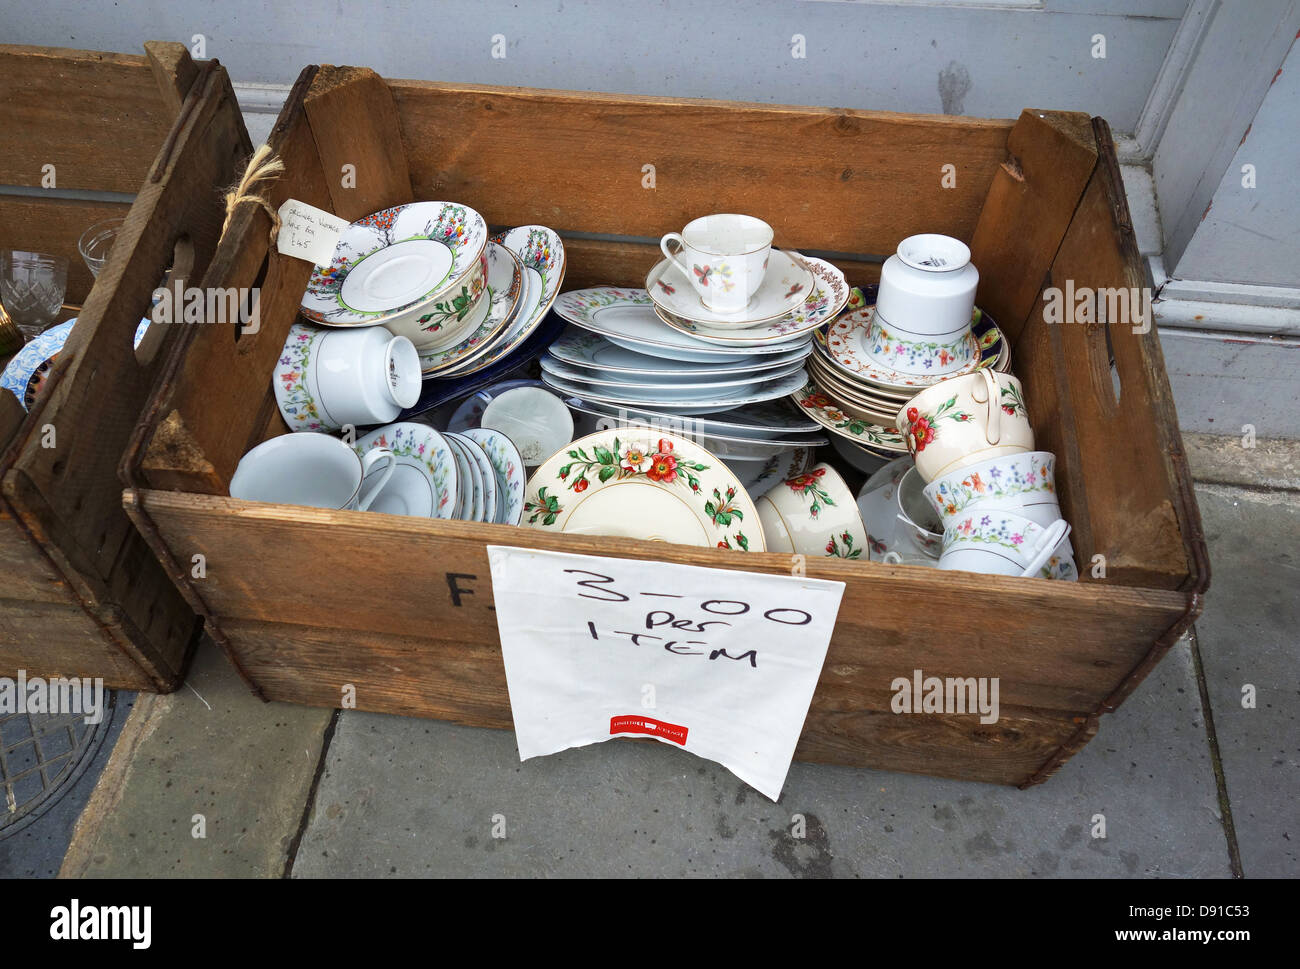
(625, 484)
(786, 284)
(487, 476)
(508, 465)
(542, 253)
(394, 260)
(471, 489)
(768, 390)
(504, 284)
(829, 296)
(425, 460)
(626, 317)
(25, 373)
(825, 411)
(842, 344)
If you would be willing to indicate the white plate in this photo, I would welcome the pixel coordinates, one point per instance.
(767, 420)
(505, 283)
(426, 479)
(642, 486)
(768, 390)
(829, 295)
(465, 470)
(667, 387)
(508, 466)
(785, 286)
(626, 317)
(579, 348)
(599, 417)
(487, 477)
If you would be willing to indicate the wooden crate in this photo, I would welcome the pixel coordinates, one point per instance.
(305, 601)
(81, 594)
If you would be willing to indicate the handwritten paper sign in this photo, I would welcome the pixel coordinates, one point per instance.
(720, 663)
(309, 233)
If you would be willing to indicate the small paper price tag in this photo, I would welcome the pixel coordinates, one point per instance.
(309, 233)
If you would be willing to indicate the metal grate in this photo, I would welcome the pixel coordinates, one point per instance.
(42, 755)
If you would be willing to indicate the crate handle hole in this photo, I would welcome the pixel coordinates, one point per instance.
(175, 279)
(253, 304)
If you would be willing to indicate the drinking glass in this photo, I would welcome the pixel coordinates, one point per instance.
(97, 242)
(32, 286)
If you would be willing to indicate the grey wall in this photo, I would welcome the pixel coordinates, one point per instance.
(924, 57)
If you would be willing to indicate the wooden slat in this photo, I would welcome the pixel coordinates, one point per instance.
(1051, 155)
(56, 639)
(354, 122)
(98, 118)
(210, 424)
(174, 71)
(830, 179)
(880, 633)
(54, 226)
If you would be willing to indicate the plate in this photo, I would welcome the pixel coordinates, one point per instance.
(504, 283)
(24, 375)
(768, 390)
(785, 286)
(394, 260)
(626, 317)
(599, 417)
(827, 297)
(844, 346)
(667, 386)
(642, 486)
(425, 481)
(508, 466)
(541, 252)
(821, 408)
(487, 477)
(770, 419)
(579, 348)
(465, 476)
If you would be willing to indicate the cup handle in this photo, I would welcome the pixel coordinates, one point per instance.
(1055, 534)
(672, 257)
(993, 423)
(373, 457)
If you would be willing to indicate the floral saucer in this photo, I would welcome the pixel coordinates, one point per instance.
(825, 411)
(504, 283)
(827, 297)
(471, 482)
(425, 481)
(486, 476)
(785, 286)
(630, 484)
(394, 260)
(845, 345)
(508, 466)
(542, 254)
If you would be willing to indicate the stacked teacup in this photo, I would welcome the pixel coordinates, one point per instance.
(996, 496)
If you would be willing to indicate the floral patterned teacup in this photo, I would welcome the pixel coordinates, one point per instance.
(964, 420)
(813, 513)
(1004, 543)
(1022, 483)
(723, 256)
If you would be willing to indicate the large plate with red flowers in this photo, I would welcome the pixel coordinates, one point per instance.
(634, 483)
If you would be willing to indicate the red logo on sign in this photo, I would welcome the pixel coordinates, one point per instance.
(656, 728)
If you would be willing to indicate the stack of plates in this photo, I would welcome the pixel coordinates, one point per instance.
(854, 397)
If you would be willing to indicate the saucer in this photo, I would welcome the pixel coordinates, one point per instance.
(828, 296)
(394, 260)
(425, 481)
(486, 477)
(508, 466)
(829, 414)
(785, 287)
(504, 282)
(471, 489)
(629, 484)
(845, 344)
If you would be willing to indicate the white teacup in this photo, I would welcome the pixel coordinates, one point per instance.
(927, 288)
(327, 379)
(963, 420)
(1002, 543)
(311, 469)
(724, 257)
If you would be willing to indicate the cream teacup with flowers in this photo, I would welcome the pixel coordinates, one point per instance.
(813, 513)
(963, 420)
(723, 256)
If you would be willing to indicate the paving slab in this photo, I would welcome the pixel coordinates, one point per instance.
(1249, 636)
(402, 797)
(213, 750)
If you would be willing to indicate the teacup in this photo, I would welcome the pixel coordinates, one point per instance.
(327, 379)
(311, 469)
(813, 513)
(724, 257)
(1003, 543)
(963, 420)
(1022, 483)
(928, 288)
(919, 520)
